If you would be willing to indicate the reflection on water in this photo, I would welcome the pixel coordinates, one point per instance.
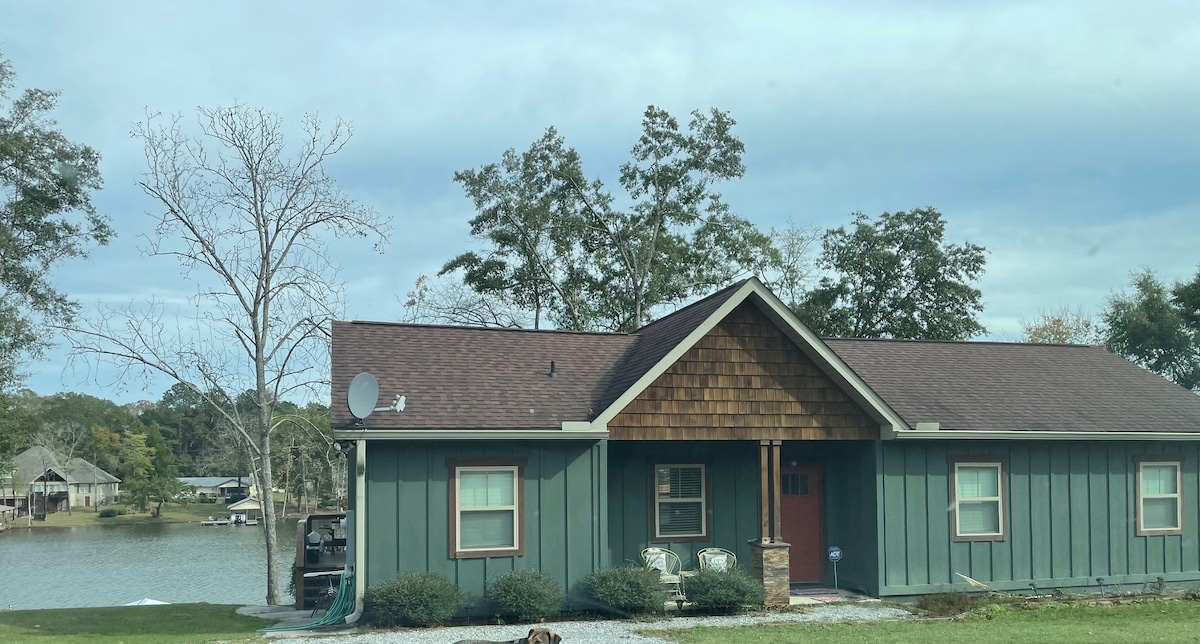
(114, 565)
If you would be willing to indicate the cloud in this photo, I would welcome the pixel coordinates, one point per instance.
(1060, 136)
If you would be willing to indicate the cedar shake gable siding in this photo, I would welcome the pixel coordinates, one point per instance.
(744, 380)
(1010, 386)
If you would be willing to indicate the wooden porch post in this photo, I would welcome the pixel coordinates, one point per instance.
(769, 554)
(764, 493)
(776, 492)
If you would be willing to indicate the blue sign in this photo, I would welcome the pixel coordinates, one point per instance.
(835, 554)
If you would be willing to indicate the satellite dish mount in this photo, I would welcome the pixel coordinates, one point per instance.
(363, 395)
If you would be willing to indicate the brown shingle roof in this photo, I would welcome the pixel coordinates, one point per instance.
(462, 377)
(1006, 386)
(487, 378)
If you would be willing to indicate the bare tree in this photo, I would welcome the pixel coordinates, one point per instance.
(446, 299)
(1062, 326)
(249, 221)
(62, 439)
(791, 270)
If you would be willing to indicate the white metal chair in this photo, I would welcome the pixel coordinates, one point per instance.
(718, 559)
(667, 564)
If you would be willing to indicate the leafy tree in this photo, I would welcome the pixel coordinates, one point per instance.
(1158, 327)
(46, 217)
(560, 248)
(189, 424)
(251, 223)
(136, 470)
(895, 277)
(19, 423)
(1062, 326)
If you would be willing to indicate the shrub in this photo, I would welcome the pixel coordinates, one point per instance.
(527, 595)
(413, 599)
(715, 591)
(629, 590)
(108, 513)
(947, 604)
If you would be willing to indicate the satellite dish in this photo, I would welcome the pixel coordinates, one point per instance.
(362, 395)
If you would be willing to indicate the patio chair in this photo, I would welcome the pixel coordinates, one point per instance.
(718, 559)
(667, 564)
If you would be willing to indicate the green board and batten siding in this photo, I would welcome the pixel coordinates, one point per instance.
(732, 480)
(566, 525)
(1070, 517)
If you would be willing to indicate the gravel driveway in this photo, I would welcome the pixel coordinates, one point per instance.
(609, 631)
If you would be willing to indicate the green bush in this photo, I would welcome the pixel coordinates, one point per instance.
(413, 599)
(527, 595)
(629, 590)
(108, 513)
(947, 604)
(723, 592)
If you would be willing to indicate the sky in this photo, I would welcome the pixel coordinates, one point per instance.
(1064, 137)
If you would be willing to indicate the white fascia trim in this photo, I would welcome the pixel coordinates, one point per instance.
(469, 434)
(948, 434)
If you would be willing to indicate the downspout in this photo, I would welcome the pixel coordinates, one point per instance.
(360, 530)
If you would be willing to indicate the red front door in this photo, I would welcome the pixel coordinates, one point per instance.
(800, 512)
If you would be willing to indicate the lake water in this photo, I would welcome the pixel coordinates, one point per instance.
(114, 565)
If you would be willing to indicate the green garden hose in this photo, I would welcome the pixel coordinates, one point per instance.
(342, 606)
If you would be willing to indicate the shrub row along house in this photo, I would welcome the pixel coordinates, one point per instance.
(38, 477)
(728, 423)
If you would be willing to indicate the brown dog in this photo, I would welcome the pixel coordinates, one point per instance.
(535, 636)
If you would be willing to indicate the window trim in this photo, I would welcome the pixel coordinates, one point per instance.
(486, 464)
(1001, 465)
(705, 505)
(1177, 463)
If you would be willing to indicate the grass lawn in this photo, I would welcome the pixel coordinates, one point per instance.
(1155, 621)
(172, 513)
(174, 623)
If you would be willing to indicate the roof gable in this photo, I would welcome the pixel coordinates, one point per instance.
(752, 290)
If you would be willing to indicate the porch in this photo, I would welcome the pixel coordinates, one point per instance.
(778, 505)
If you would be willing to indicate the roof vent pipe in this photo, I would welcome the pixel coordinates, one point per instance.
(553, 371)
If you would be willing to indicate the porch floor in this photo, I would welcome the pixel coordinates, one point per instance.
(811, 594)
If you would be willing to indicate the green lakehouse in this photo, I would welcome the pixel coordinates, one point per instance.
(729, 424)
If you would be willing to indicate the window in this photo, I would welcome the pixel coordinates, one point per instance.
(1159, 507)
(85, 488)
(486, 499)
(794, 484)
(680, 505)
(978, 501)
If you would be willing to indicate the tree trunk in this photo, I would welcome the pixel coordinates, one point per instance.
(265, 492)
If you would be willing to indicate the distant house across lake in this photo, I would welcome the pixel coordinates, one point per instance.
(41, 478)
(223, 489)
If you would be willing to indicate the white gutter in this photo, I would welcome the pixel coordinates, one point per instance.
(959, 434)
(470, 434)
(360, 530)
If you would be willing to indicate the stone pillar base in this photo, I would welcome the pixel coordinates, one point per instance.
(769, 564)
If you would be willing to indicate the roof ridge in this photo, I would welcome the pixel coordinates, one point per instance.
(965, 342)
(458, 327)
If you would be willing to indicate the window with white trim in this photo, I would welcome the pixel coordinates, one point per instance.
(1159, 506)
(680, 502)
(978, 500)
(487, 509)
